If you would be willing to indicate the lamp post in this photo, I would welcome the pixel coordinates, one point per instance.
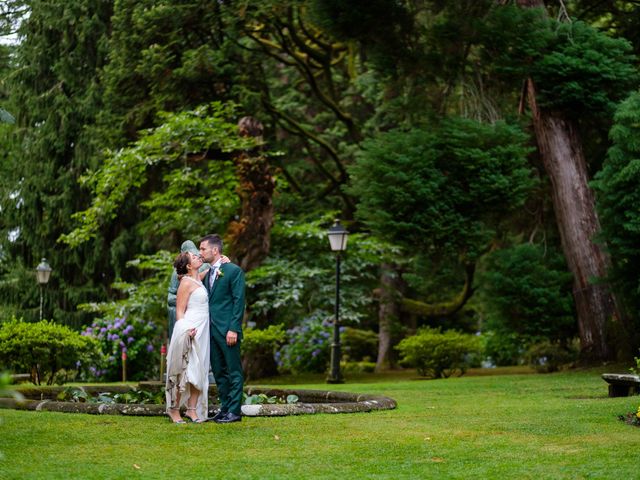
(338, 240)
(43, 271)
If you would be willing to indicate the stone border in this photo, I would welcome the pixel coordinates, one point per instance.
(311, 402)
(316, 401)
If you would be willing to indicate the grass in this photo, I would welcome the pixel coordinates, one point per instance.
(478, 426)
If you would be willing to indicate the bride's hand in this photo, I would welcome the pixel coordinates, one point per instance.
(225, 259)
(192, 332)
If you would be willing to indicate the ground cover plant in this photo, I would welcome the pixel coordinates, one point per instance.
(559, 425)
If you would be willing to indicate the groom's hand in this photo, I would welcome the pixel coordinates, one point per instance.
(232, 338)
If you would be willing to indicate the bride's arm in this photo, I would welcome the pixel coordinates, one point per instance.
(181, 300)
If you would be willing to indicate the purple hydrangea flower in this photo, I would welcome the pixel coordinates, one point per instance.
(150, 348)
(130, 339)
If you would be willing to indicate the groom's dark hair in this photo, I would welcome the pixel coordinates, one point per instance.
(214, 240)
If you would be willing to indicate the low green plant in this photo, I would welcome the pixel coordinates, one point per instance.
(258, 351)
(48, 351)
(262, 398)
(439, 354)
(636, 370)
(359, 345)
(79, 395)
(358, 367)
(547, 356)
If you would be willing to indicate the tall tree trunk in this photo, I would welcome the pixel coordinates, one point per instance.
(389, 313)
(574, 207)
(250, 236)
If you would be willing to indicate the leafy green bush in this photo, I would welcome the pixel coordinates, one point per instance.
(547, 357)
(357, 367)
(48, 351)
(358, 345)
(439, 354)
(258, 350)
(504, 347)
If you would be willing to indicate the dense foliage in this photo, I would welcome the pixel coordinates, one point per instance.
(480, 172)
(439, 354)
(618, 191)
(47, 351)
(404, 119)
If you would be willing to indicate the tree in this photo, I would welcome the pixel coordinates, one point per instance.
(443, 192)
(560, 147)
(54, 94)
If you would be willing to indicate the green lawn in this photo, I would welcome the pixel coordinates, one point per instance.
(500, 426)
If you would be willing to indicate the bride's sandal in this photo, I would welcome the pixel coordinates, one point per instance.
(172, 419)
(196, 420)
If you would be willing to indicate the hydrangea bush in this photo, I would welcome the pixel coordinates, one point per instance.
(139, 339)
(308, 348)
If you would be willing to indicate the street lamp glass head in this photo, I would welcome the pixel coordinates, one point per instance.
(338, 237)
(43, 271)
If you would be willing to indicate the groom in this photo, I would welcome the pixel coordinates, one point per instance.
(225, 285)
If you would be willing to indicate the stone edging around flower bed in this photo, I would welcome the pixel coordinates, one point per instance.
(310, 402)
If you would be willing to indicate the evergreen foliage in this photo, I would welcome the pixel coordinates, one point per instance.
(446, 188)
(617, 188)
(55, 94)
(527, 291)
(576, 68)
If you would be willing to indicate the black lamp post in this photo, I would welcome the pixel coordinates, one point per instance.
(43, 271)
(338, 240)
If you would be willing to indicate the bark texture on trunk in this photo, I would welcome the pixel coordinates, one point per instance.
(250, 236)
(388, 314)
(574, 207)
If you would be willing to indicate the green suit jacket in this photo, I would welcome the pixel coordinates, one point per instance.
(226, 299)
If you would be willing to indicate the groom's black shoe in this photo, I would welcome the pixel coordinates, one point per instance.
(229, 418)
(219, 414)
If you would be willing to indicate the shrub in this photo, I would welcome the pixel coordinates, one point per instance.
(505, 348)
(357, 367)
(308, 349)
(546, 356)
(138, 339)
(258, 350)
(48, 351)
(439, 355)
(359, 345)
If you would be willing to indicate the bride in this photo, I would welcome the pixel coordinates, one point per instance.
(188, 354)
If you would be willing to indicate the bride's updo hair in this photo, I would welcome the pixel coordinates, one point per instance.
(181, 262)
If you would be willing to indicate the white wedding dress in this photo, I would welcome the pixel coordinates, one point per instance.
(188, 357)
